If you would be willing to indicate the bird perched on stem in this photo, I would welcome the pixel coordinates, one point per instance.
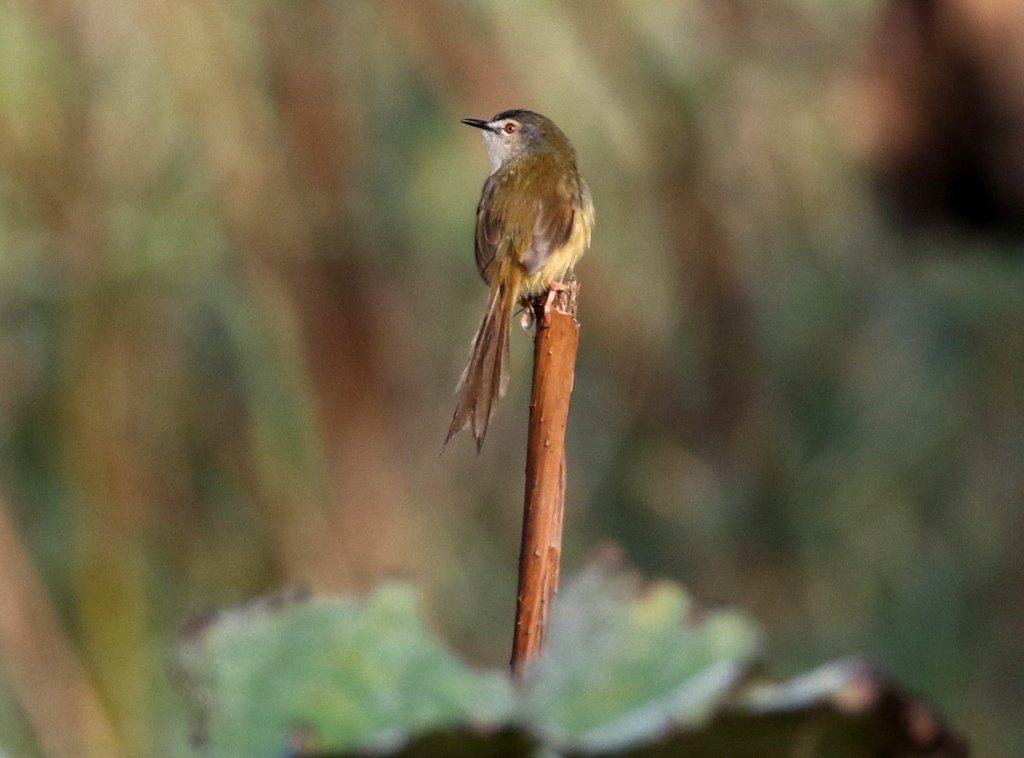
(533, 223)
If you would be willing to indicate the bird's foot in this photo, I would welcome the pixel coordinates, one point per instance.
(554, 287)
(526, 317)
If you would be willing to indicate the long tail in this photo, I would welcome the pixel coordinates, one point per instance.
(486, 375)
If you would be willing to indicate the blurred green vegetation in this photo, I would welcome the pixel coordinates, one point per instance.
(237, 289)
(632, 668)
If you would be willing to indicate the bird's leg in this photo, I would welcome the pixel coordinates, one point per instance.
(526, 314)
(554, 287)
(531, 307)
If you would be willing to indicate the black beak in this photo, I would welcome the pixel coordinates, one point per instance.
(479, 124)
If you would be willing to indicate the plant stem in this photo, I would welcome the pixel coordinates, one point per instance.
(554, 361)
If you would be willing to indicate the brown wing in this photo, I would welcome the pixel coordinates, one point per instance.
(501, 220)
(552, 227)
(489, 222)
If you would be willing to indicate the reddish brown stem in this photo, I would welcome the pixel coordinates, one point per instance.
(554, 357)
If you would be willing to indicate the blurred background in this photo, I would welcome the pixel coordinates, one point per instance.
(237, 290)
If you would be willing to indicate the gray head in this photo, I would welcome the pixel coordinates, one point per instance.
(513, 133)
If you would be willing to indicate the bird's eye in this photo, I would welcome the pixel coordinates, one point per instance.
(510, 128)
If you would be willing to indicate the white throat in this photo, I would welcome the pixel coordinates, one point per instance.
(497, 150)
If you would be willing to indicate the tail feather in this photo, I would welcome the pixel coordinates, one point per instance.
(486, 375)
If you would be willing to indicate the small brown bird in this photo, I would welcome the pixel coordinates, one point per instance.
(533, 223)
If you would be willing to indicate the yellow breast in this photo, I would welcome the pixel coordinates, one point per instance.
(562, 260)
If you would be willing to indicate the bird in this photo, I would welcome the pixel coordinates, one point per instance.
(533, 222)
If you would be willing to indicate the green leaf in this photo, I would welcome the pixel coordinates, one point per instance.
(630, 669)
(312, 674)
(626, 662)
(840, 710)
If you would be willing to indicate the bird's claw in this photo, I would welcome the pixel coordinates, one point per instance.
(554, 288)
(526, 318)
